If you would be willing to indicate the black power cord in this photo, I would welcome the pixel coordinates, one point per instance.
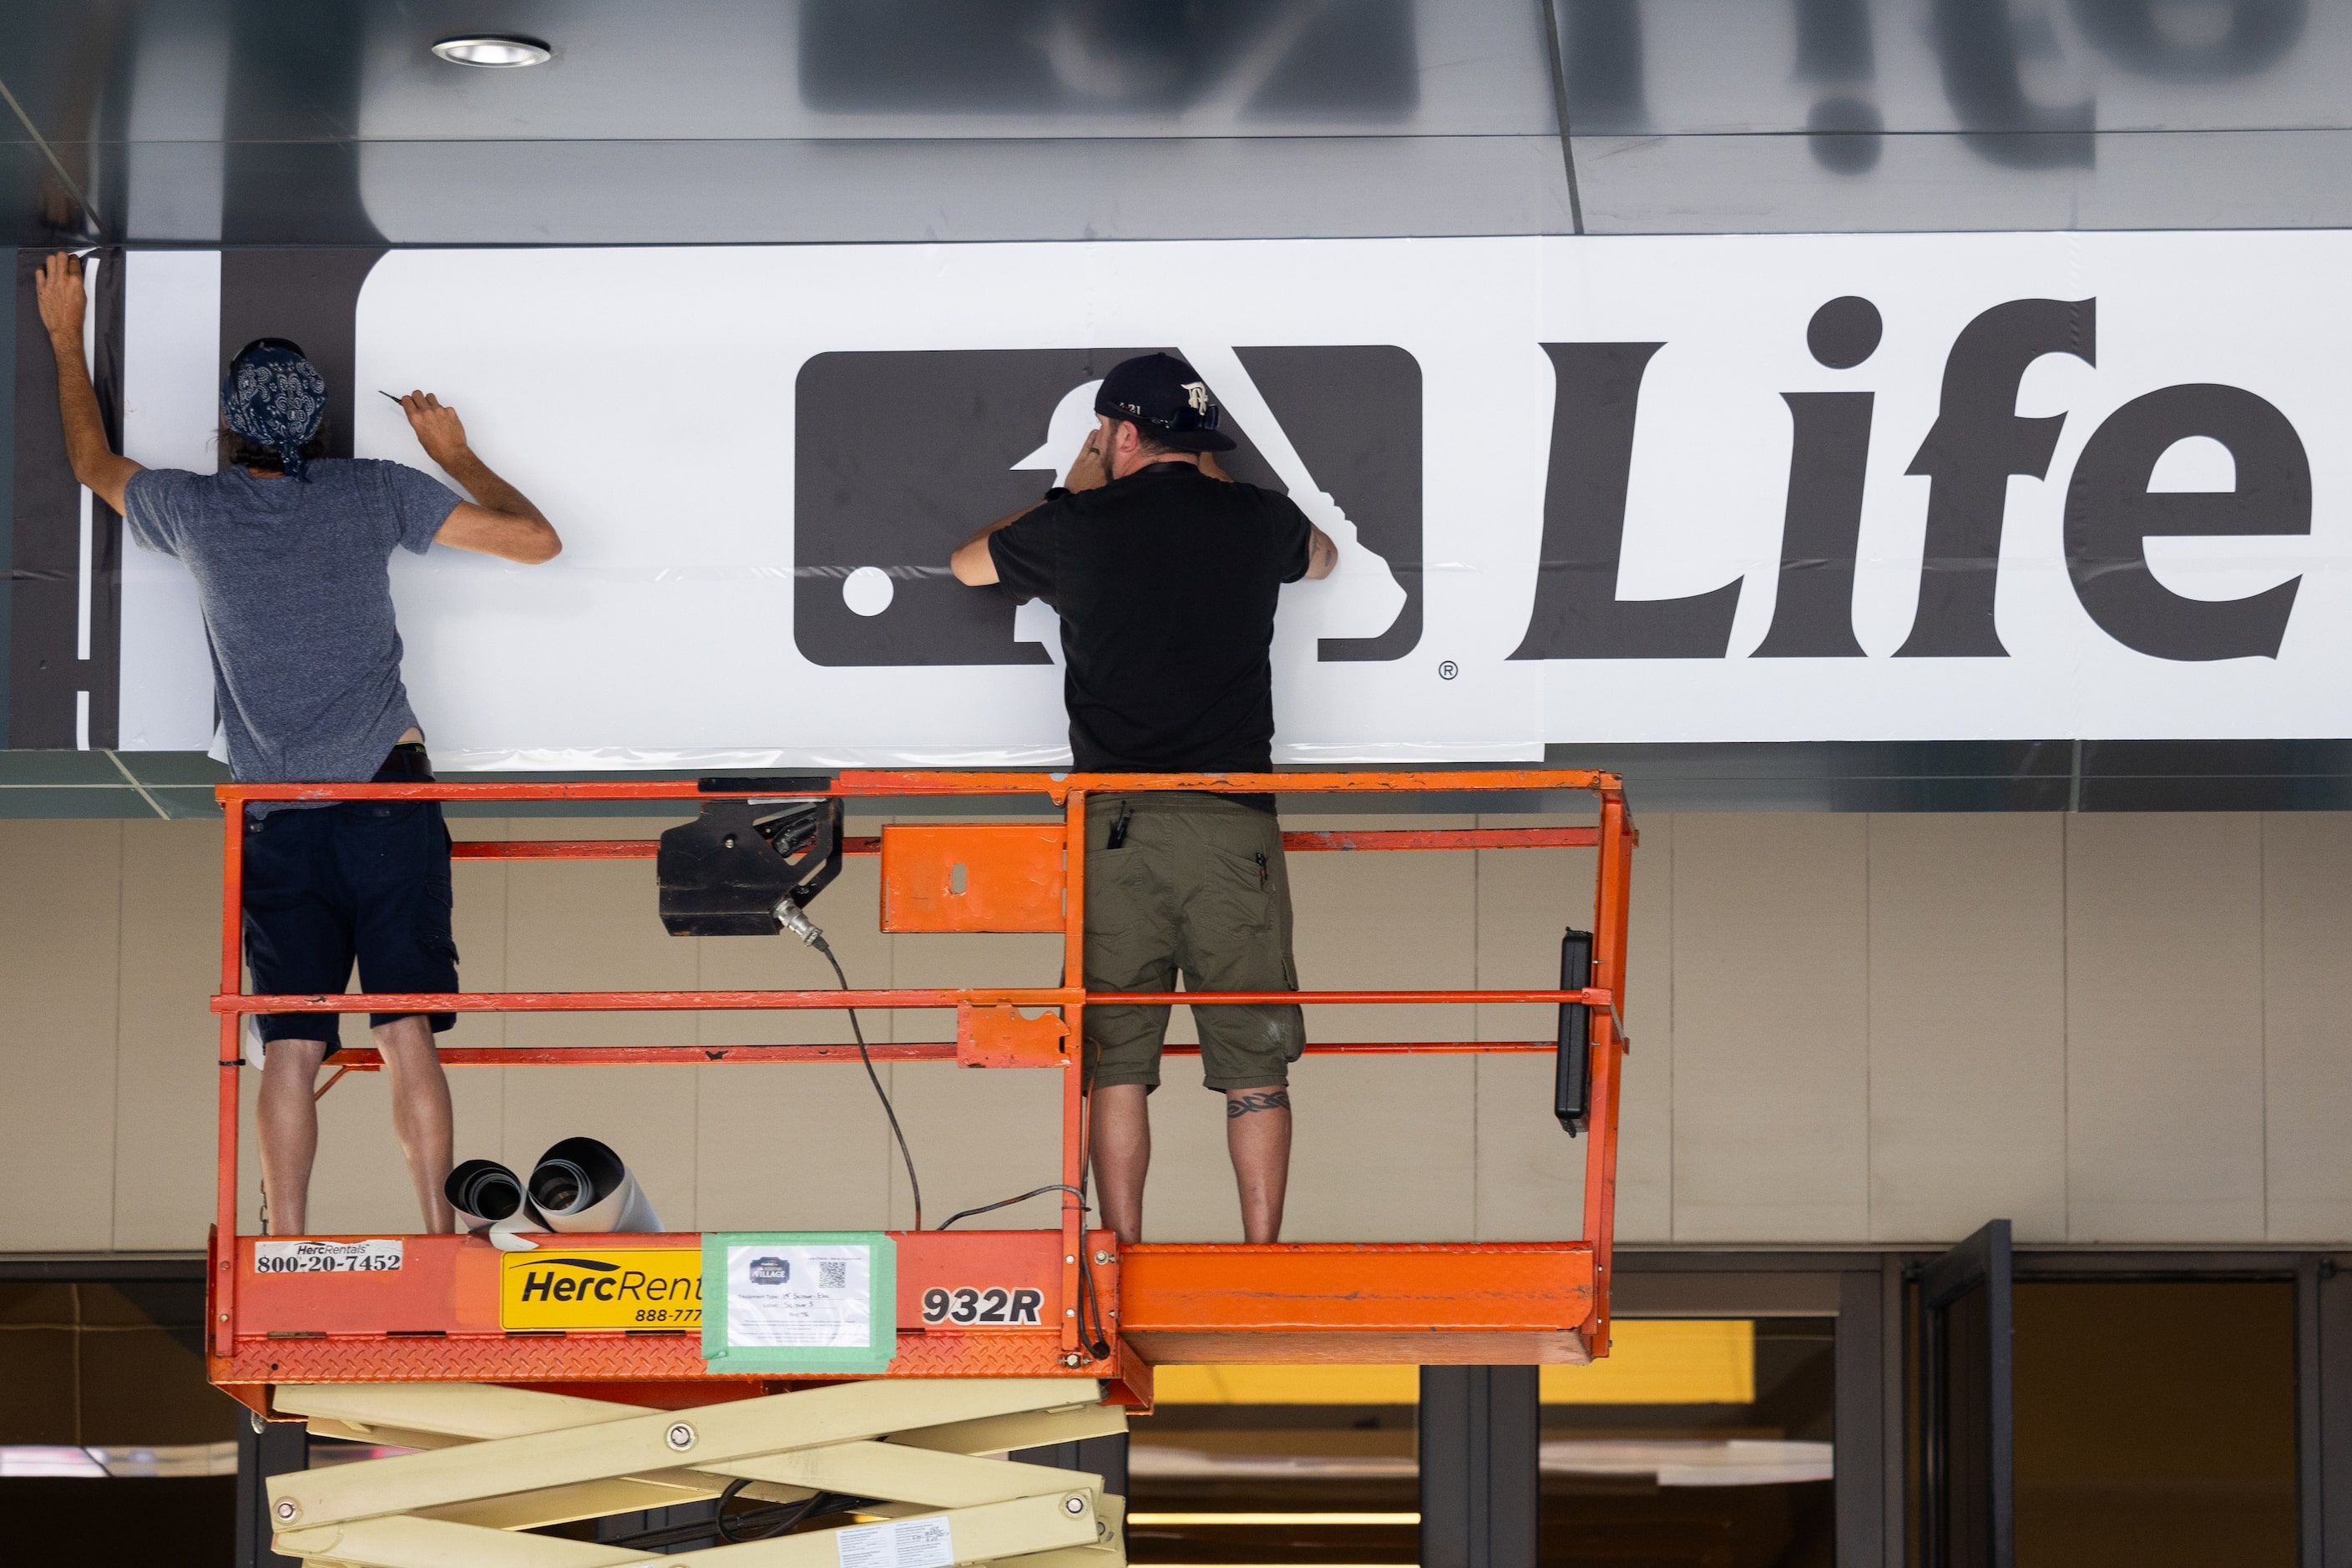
(1090, 1300)
(1008, 1202)
(818, 942)
(759, 1523)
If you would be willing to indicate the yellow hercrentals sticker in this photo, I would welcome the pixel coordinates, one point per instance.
(572, 1288)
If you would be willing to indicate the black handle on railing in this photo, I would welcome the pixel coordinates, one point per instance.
(1571, 1084)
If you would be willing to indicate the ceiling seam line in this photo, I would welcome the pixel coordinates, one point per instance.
(1559, 111)
(89, 214)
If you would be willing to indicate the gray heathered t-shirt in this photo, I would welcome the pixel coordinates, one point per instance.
(297, 595)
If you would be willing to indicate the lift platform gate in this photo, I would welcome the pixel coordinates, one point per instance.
(525, 1428)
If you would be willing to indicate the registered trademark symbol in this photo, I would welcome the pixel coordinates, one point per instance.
(1448, 670)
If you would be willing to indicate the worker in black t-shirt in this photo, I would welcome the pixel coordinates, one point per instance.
(1166, 573)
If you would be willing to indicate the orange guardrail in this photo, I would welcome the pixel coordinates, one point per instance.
(1517, 1302)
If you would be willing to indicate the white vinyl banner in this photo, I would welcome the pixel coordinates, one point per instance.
(1617, 489)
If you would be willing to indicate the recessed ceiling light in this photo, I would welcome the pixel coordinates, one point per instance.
(495, 52)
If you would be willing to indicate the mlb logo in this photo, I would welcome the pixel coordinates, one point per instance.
(900, 456)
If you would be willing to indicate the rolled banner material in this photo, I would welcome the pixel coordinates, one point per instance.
(580, 1184)
(483, 1192)
(490, 1198)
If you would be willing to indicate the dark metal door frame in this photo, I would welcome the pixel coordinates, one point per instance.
(1966, 1449)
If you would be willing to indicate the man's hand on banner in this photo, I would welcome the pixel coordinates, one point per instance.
(1087, 470)
(438, 429)
(58, 288)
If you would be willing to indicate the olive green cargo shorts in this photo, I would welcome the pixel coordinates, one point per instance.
(1196, 887)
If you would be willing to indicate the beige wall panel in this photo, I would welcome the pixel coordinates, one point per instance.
(797, 1147)
(1387, 920)
(801, 1147)
(1525, 898)
(477, 1105)
(59, 953)
(950, 960)
(477, 919)
(2164, 1021)
(1191, 1195)
(2308, 1013)
(169, 935)
(361, 1182)
(591, 925)
(1530, 1173)
(1967, 1025)
(165, 1115)
(1771, 1040)
(849, 912)
(976, 1136)
(1740, 1124)
(1382, 1149)
(648, 1115)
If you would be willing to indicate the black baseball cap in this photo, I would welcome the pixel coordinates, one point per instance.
(1167, 397)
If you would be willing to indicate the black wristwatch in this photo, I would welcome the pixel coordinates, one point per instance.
(1057, 492)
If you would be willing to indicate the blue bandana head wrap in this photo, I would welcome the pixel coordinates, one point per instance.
(275, 398)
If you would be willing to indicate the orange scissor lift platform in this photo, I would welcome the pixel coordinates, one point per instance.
(281, 1341)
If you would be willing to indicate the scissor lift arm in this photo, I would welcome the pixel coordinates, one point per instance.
(498, 1461)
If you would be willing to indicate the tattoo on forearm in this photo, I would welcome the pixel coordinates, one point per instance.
(1267, 1100)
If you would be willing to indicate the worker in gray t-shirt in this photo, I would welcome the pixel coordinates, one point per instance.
(290, 553)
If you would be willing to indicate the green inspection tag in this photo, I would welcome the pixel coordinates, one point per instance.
(799, 1301)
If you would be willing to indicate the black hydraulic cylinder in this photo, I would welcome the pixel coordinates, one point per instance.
(1571, 1084)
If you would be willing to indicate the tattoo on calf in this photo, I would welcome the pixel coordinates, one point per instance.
(1242, 1104)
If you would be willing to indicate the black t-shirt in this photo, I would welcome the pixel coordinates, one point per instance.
(1166, 582)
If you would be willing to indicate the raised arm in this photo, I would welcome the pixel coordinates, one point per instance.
(975, 567)
(58, 288)
(500, 520)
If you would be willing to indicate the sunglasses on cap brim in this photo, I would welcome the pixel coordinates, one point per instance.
(1183, 421)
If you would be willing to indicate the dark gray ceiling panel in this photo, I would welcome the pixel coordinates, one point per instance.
(1791, 184)
(732, 69)
(1733, 66)
(765, 192)
(285, 122)
(34, 207)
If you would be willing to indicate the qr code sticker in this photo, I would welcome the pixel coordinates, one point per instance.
(833, 1274)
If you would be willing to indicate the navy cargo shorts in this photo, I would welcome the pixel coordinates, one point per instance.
(360, 880)
(1197, 887)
